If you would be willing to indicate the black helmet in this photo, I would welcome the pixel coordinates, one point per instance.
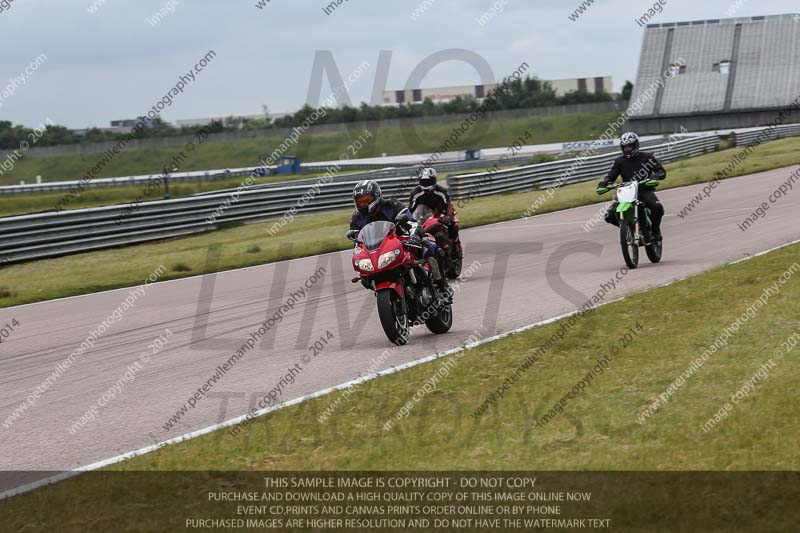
(367, 196)
(629, 144)
(427, 177)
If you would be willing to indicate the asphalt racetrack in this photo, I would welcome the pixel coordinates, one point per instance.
(516, 273)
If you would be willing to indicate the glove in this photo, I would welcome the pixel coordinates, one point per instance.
(415, 241)
(601, 189)
(352, 234)
(651, 182)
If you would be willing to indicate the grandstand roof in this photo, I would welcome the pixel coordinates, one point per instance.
(718, 65)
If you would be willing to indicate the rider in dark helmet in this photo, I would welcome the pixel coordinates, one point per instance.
(372, 207)
(429, 193)
(632, 165)
(436, 197)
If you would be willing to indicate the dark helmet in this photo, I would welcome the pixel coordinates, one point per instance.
(367, 196)
(629, 144)
(427, 177)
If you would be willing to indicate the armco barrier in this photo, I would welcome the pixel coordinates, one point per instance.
(545, 175)
(744, 138)
(51, 234)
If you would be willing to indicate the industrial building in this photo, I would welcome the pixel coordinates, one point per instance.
(446, 94)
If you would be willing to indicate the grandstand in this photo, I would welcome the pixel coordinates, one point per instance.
(713, 74)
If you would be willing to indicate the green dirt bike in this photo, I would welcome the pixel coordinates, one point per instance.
(634, 223)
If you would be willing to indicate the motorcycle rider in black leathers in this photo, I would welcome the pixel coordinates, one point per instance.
(372, 207)
(437, 198)
(640, 166)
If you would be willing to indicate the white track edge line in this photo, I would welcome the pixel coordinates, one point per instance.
(393, 370)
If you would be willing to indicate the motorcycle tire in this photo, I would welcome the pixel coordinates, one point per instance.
(454, 267)
(653, 251)
(394, 317)
(627, 240)
(442, 321)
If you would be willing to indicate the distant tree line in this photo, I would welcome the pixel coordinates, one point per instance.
(523, 93)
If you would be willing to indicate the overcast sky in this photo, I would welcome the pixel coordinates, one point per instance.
(114, 64)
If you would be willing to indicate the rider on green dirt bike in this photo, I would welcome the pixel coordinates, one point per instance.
(639, 166)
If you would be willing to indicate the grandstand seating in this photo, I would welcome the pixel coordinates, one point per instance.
(730, 65)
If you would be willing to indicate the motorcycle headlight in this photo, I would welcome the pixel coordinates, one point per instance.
(364, 264)
(388, 258)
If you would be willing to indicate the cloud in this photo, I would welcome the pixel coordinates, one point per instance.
(113, 64)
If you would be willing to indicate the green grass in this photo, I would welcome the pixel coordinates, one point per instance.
(315, 234)
(597, 431)
(316, 147)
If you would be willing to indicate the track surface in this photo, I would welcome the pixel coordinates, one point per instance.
(519, 278)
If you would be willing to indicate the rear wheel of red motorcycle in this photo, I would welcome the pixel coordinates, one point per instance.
(442, 322)
(393, 315)
(454, 269)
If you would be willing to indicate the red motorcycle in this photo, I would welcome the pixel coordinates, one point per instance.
(433, 224)
(392, 266)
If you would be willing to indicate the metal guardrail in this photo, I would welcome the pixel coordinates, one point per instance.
(378, 171)
(385, 173)
(128, 181)
(36, 236)
(546, 175)
(743, 138)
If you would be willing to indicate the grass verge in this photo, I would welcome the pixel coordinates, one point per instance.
(598, 429)
(314, 147)
(315, 234)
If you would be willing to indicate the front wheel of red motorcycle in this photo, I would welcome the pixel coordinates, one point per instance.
(394, 317)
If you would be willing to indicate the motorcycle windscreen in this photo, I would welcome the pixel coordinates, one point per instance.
(373, 234)
(422, 213)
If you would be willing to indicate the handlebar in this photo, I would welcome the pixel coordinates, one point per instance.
(650, 182)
